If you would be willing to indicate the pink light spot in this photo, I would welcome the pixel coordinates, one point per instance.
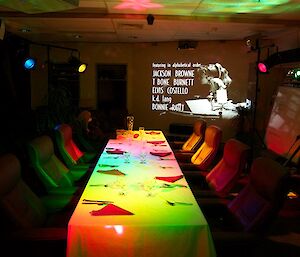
(137, 5)
(262, 67)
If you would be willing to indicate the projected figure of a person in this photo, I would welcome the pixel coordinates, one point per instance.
(219, 81)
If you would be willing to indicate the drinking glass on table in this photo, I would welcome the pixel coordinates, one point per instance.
(130, 120)
(142, 132)
(120, 185)
(149, 185)
(143, 156)
(127, 157)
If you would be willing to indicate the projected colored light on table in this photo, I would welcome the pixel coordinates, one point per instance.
(145, 206)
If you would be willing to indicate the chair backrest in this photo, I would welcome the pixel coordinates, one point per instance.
(66, 145)
(260, 200)
(223, 177)
(81, 131)
(196, 138)
(49, 168)
(20, 204)
(204, 156)
(84, 118)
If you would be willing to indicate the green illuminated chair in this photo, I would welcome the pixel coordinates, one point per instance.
(28, 227)
(69, 151)
(55, 176)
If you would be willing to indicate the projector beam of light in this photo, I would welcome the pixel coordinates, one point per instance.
(137, 5)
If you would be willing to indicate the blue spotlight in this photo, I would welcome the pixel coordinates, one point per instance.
(29, 63)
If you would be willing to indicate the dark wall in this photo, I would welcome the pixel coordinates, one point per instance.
(15, 109)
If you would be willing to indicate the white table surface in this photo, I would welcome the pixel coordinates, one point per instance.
(156, 229)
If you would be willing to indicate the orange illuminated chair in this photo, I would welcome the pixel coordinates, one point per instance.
(224, 176)
(69, 151)
(52, 172)
(194, 141)
(28, 228)
(203, 158)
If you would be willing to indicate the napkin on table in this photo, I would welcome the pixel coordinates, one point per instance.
(161, 154)
(110, 209)
(157, 142)
(170, 179)
(153, 132)
(112, 172)
(115, 151)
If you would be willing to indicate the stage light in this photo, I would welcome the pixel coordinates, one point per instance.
(296, 74)
(78, 65)
(263, 67)
(29, 63)
(82, 67)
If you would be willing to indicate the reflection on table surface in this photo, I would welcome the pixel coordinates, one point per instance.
(138, 203)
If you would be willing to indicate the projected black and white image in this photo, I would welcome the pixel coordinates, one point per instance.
(193, 89)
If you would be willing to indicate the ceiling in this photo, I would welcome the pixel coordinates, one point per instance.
(126, 20)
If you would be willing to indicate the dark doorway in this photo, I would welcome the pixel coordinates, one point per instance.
(111, 86)
(112, 93)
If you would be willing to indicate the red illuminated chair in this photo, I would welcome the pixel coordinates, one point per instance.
(203, 158)
(193, 142)
(244, 222)
(54, 175)
(27, 227)
(71, 154)
(224, 176)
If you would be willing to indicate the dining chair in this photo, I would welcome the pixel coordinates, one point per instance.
(223, 178)
(69, 151)
(243, 223)
(28, 228)
(52, 172)
(194, 140)
(203, 158)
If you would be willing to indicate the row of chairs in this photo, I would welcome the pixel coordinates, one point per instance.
(37, 222)
(239, 211)
(60, 171)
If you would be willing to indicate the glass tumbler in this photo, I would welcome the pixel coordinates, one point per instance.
(130, 120)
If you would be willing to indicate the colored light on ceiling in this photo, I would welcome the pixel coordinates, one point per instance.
(242, 6)
(137, 5)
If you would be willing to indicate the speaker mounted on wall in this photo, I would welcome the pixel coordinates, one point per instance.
(187, 45)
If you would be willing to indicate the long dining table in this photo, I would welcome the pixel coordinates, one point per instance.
(137, 203)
